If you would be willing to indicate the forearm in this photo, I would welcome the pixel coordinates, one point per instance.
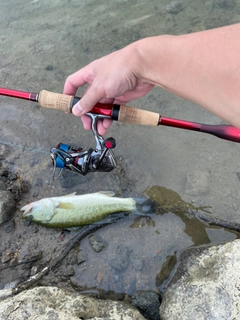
(203, 67)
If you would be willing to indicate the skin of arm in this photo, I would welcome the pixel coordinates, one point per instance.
(203, 67)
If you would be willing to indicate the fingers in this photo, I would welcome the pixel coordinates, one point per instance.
(102, 124)
(73, 82)
(93, 95)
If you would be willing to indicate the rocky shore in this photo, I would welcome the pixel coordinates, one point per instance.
(204, 283)
(25, 280)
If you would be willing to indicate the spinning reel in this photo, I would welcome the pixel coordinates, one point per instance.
(84, 161)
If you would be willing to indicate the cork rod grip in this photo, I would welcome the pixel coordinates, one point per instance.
(138, 116)
(58, 101)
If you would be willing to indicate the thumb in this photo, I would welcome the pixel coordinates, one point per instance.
(87, 102)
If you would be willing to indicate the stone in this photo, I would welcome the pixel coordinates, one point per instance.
(47, 303)
(96, 243)
(7, 205)
(121, 259)
(147, 302)
(206, 285)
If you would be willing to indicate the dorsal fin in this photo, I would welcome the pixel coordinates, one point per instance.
(106, 193)
(70, 195)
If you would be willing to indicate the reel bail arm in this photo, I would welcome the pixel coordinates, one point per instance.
(84, 161)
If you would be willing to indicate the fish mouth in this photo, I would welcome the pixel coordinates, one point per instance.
(27, 209)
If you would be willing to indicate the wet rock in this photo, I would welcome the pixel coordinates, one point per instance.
(136, 262)
(24, 187)
(5, 293)
(120, 260)
(96, 243)
(197, 183)
(4, 172)
(9, 226)
(7, 205)
(166, 270)
(147, 302)
(39, 182)
(206, 284)
(12, 176)
(2, 184)
(80, 258)
(4, 151)
(68, 272)
(6, 256)
(54, 303)
(30, 251)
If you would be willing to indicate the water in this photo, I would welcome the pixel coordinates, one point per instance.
(42, 43)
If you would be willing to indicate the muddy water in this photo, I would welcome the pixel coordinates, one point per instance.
(42, 43)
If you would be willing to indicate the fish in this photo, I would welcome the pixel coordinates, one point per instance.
(76, 210)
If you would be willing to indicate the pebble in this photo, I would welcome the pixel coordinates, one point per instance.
(96, 243)
(121, 259)
(80, 258)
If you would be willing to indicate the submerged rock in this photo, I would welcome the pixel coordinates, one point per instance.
(206, 285)
(53, 303)
(121, 259)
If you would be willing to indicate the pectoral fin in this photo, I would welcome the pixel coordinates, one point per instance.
(65, 205)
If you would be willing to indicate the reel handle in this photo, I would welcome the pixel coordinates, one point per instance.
(121, 113)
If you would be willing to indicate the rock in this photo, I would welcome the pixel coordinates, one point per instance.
(96, 243)
(166, 270)
(4, 172)
(4, 151)
(197, 183)
(206, 285)
(80, 257)
(147, 302)
(45, 303)
(121, 260)
(7, 205)
(5, 293)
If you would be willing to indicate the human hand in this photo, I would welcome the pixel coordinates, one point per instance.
(115, 78)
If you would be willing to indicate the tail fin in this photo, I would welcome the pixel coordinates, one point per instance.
(144, 207)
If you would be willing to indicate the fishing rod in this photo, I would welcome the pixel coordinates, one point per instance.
(102, 158)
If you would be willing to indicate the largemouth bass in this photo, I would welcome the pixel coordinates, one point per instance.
(76, 210)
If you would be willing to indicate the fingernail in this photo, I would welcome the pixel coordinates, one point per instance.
(77, 110)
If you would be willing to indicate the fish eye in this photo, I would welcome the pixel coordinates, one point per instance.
(30, 217)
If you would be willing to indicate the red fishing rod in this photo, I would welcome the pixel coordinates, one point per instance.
(123, 113)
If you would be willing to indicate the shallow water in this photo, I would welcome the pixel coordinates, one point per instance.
(42, 43)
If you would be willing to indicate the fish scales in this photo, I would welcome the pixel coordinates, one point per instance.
(76, 210)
